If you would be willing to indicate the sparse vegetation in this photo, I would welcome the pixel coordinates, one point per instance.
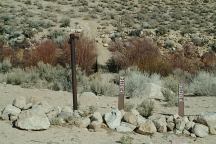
(203, 84)
(126, 140)
(146, 108)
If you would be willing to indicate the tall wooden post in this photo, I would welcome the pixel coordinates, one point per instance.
(121, 93)
(181, 99)
(72, 42)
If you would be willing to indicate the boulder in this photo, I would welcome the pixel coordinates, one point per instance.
(125, 127)
(95, 125)
(66, 116)
(9, 111)
(170, 126)
(153, 91)
(170, 119)
(186, 132)
(84, 123)
(97, 117)
(189, 126)
(140, 120)
(147, 128)
(201, 130)
(32, 120)
(43, 105)
(208, 119)
(53, 113)
(161, 124)
(135, 112)
(113, 118)
(19, 102)
(28, 106)
(130, 118)
(180, 124)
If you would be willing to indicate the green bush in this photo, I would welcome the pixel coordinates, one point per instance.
(204, 84)
(65, 22)
(170, 97)
(102, 87)
(146, 108)
(16, 77)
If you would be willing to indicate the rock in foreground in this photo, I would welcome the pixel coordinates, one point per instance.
(32, 120)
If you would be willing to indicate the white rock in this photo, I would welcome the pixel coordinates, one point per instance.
(170, 126)
(10, 110)
(140, 120)
(19, 102)
(200, 130)
(53, 113)
(180, 124)
(125, 127)
(208, 119)
(32, 120)
(43, 105)
(189, 126)
(97, 117)
(113, 118)
(84, 123)
(161, 124)
(105, 45)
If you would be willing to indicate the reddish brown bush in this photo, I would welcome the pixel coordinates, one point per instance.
(85, 53)
(46, 52)
(141, 53)
(187, 59)
(209, 60)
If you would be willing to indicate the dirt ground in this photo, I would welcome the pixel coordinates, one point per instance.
(68, 135)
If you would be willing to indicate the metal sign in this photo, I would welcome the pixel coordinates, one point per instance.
(181, 99)
(121, 93)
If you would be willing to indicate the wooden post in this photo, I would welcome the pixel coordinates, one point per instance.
(181, 99)
(121, 93)
(72, 43)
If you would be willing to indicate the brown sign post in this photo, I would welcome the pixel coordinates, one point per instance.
(121, 93)
(181, 99)
(72, 42)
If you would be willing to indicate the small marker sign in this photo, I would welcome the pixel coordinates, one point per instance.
(181, 99)
(121, 93)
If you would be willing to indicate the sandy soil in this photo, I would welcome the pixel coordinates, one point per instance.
(73, 135)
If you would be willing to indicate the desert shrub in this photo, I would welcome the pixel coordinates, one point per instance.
(65, 22)
(102, 87)
(5, 66)
(170, 97)
(135, 82)
(170, 82)
(141, 53)
(16, 77)
(203, 84)
(128, 106)
(213, 46)
(126, 140)
(146, 108)
(161, 31)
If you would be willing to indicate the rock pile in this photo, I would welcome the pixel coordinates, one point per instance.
(40, 115)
